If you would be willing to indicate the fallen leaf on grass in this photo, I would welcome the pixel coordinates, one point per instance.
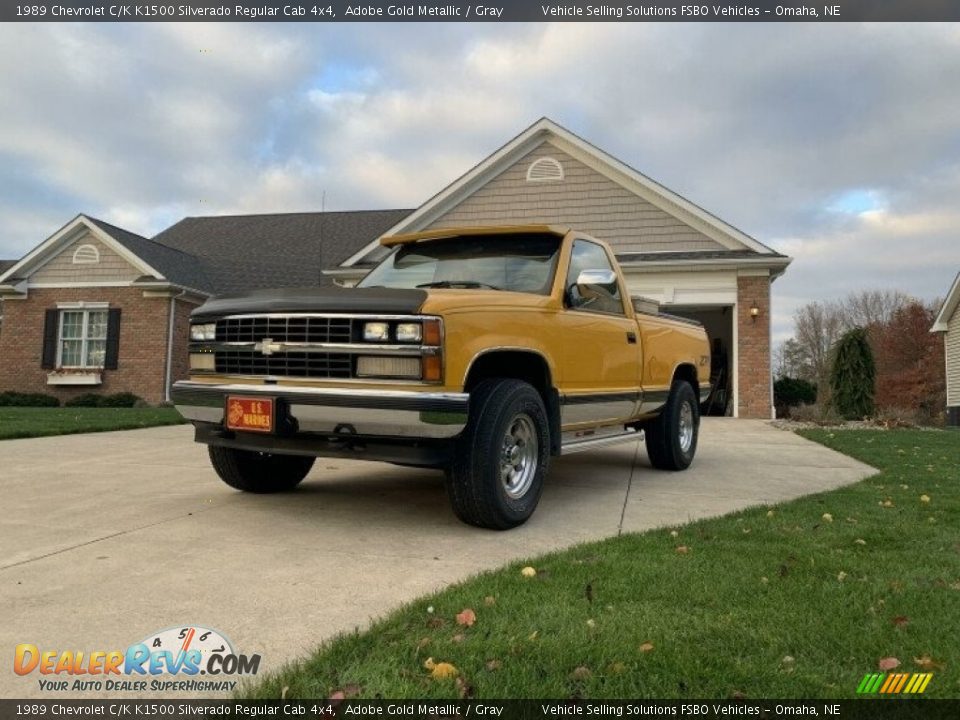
(528, 571)
(860, 541)
(888, 663)
(283, 692)
(841, 576)
(616, 668)
(900, 620)
(436, 622)
(674, 533)
(581, 673)
(533, 635)
(924, 498)
(683, 549)
(928, 663)
(489, 600)
(466, 617)
(440, 670)
(827, 517)
(464, 688)
(493, 665)
(423, 643)
(887, 503)
(458, 638)
(591, 622)
(646, 647)
(770, 513)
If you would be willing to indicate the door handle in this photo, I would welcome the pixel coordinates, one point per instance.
(631, 337)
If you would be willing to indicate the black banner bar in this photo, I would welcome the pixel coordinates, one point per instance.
(331, 11)
(873, 709)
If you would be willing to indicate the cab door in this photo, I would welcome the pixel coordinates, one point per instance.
(601, 345)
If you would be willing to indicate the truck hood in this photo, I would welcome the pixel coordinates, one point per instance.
(372, 301)
(387, 301)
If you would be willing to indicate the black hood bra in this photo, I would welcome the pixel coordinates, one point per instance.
(377, 301)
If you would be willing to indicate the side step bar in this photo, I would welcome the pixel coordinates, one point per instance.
(593, 443)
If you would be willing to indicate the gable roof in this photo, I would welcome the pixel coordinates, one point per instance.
(948, 308)
(245, 252)
(6, 265)
(590, 155)
(67, 234)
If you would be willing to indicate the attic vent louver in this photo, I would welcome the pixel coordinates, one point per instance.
(545, 169)
(86, 255)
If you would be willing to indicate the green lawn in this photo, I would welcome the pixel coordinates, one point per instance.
(20, 422)
(796, 601)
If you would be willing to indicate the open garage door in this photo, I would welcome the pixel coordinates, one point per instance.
(717, 320)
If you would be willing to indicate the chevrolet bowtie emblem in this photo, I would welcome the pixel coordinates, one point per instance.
(268, 347)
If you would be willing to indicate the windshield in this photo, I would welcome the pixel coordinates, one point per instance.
(520, 263)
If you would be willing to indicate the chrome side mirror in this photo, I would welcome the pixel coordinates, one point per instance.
(589, 280)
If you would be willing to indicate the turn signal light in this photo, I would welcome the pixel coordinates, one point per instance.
(431, 332)
(432, 368)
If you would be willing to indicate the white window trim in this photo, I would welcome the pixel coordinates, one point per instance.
(86, 260)
(84, 333)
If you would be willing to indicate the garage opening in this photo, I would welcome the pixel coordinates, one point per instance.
(718, 322)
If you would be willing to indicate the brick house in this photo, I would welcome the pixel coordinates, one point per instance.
(98, 307)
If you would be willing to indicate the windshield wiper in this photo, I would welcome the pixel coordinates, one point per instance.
(458, 283)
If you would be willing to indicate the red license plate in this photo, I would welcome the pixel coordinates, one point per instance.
(250, 414)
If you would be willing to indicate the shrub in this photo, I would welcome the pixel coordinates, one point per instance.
(18, 399)
(822, 414)
(124, 399)
(117, 400)
(790, 392)
(84, 400)
(852, 376)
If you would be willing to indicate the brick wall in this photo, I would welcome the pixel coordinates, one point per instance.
(143, 342)
(753, 347)
(180, 369)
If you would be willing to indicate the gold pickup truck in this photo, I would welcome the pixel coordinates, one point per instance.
(482, 351)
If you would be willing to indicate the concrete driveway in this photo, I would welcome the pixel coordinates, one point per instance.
(107, 538)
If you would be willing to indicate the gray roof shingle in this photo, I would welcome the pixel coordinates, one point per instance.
(245, 252)
(178, 267)
(694, 255)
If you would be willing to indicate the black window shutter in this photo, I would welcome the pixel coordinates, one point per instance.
(113, 339)
(51, 324)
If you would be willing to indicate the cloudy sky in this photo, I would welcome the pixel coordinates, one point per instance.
(839, 144)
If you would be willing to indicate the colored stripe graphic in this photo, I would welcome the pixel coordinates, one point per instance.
(894, 683)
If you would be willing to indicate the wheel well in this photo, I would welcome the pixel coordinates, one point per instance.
(521, 365)
(526, 366)
(688, 373)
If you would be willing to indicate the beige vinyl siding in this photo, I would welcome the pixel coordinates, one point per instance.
(584, 200)
(61, 268)
(952, 345)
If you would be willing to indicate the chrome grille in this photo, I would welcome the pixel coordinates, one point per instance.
(290, 364)
(284, 329)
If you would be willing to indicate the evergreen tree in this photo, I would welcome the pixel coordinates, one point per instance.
(853, 375)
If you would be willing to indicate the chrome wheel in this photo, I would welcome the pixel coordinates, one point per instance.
(518, 457)
(685, 427)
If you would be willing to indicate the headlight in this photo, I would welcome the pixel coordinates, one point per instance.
(376, 332)
(409, 332)
(203, 331)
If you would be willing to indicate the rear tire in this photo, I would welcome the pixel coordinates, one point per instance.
(259, 472)
(496, 477)
(672, 436)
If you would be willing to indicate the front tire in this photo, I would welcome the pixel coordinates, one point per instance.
(259, 472)
(496, 477)
(672, 436)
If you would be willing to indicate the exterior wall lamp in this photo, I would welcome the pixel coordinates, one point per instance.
(754, 312)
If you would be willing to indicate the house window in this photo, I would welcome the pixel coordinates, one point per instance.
(82, 340)
(86, 255)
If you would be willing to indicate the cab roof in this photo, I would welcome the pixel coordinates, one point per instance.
(444, 233)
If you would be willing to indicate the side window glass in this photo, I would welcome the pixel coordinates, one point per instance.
(595, 297)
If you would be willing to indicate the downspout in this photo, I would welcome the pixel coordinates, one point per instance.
(169, 364)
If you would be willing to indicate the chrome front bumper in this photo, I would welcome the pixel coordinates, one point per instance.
(369, 413)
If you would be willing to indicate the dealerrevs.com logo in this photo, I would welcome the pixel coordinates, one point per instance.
(169, 660)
